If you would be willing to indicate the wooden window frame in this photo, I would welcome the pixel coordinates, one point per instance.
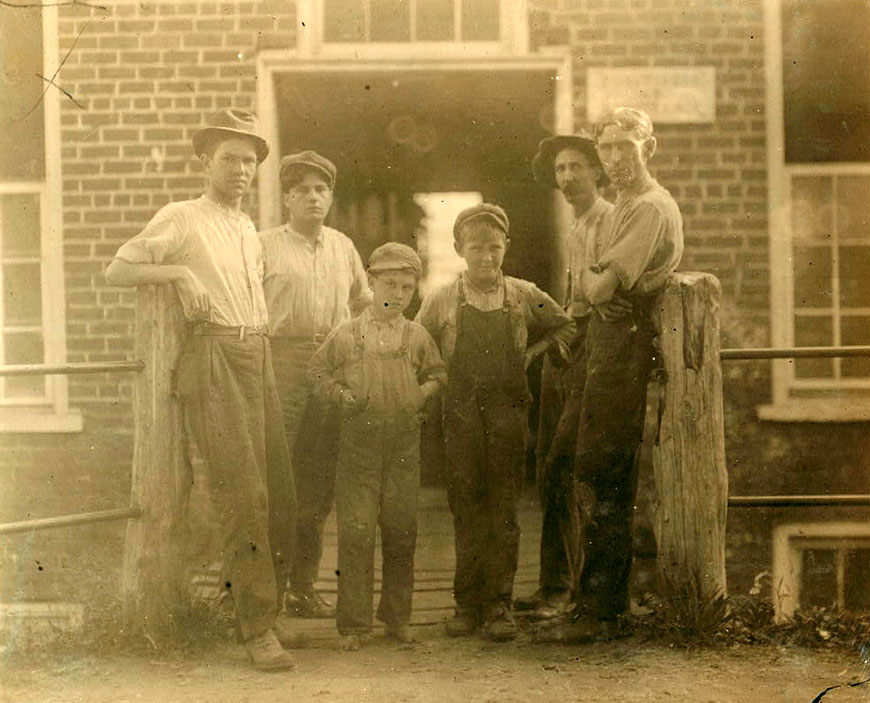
(50, 413)
(794, 399)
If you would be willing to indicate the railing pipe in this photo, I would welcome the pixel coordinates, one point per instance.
(72, 369)
(48, 523)
(793, 353)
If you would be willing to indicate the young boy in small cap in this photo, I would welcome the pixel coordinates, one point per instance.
(489, 327)
(379, 368)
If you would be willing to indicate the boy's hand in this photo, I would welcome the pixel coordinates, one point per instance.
(349, 401)
(533, 352)
(190, 287)
(616, 308)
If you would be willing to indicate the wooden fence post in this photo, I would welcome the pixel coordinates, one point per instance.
(689, 457)
(152, 581)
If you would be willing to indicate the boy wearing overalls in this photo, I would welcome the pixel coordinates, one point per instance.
(379, 368)
(483, 322)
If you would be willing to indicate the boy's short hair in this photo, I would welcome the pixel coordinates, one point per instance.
(628, 118)
(394, 256)
(482, 217)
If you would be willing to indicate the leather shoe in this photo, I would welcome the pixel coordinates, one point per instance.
(310, 605)
(500, 625)
(267, 654)
(462, 624)
(530, 602)
(576, 630)
(553, 606)
(400, 633)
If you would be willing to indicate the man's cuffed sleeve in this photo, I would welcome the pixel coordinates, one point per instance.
(552, 321)
(161, 238)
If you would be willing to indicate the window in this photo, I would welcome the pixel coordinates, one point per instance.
(31, 266)
(818, 96)
(410, 20)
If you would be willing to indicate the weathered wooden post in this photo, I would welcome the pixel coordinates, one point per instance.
(689, 458)
(153, 574)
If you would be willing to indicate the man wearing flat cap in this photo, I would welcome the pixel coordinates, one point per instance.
(208, 249)
(314, 279)
(570, 164)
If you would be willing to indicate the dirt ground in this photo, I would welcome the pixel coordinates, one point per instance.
(441, 669)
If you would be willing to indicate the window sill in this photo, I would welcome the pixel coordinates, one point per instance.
(34, 420)
(816, 411)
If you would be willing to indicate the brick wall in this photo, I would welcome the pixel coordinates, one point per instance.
(146, 73)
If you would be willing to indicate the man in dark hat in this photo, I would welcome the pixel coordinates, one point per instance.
(314, 279)
(209, 250)
(570, 164)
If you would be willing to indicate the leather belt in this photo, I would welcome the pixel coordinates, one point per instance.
(209, 329)
(311, 338)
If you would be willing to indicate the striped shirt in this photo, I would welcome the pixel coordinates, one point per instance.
(220, 247)
(310, 286)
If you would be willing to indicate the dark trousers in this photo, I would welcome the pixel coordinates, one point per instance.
(486, 448)
(232, 408)
(377, 482)
(620, 356)
(561, 400)
(312, 429)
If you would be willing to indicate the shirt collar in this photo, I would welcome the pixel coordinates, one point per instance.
(499, 282)
(369, 318)
(318, 240)
(595, 210)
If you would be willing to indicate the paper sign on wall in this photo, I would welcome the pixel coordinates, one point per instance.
(675, 95)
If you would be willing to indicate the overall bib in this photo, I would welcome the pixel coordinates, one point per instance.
(486, 431)
(377, 482)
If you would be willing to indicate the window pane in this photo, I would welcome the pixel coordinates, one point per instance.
(23, 348)
(855, 277)
(811, 206)
(812, 277)
(390, 20)
(855, 330)
(344, 21)
(815, 331)
(826, 84)
(480, 20)
(22, 137)
(22, 297)
(19, 225)
(853, 198)
(435, 20)
(819, 582)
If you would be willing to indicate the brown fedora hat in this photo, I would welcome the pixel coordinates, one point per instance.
(542, 164)
(232, 122)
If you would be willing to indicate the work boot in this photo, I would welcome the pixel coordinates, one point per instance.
(500, 625)
(267, 654)
(530, 602)
(553, 605)
(401, 633)
(350, 643)
(463, 623)
(310, 605)
(287, 633)
(572, 629)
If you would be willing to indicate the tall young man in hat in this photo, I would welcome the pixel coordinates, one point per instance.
(314, 279)
(643, 245)
(570, 164)
(208, 249)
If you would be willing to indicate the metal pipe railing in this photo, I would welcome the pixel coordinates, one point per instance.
(48, 523)
(796, 501)
(72, 369)
(793, 353)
